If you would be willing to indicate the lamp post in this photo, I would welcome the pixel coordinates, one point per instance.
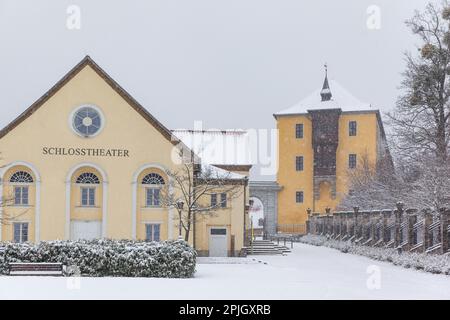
(180, 205)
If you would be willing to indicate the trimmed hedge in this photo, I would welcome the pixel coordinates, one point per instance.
(104, 257)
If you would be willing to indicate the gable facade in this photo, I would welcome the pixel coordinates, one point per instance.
(91, 184)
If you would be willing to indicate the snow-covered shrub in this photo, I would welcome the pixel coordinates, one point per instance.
(103, 257)
(421, 261)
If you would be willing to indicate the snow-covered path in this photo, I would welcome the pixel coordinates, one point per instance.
(307, 273)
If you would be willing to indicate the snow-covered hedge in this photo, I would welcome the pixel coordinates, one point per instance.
(124, 258)
(433, 263)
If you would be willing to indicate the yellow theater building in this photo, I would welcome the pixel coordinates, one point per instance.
(321, 139)
(86, 160)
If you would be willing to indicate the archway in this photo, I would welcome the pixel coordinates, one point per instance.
(86, 199)
(256, 214)
(20, 190)
(149, 220)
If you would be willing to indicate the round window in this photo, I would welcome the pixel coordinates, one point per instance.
(87, 121)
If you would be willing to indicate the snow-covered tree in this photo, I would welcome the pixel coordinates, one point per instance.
(420, 122)
(429, 185)
(195, 192)
(421, 117)
(372, 187)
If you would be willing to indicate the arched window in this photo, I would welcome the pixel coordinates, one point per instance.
(153, 182)
(87, 193)
(21, 192)
(153, 178)
(88, 178)
(21, 177)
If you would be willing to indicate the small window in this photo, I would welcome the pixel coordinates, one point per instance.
(352, 127)
(299, 197)
(352, 161)
(21, 195)
(21, 177)
(154, 182)
(20, 231)
(223, 200)
(299, 130)
(213, 199)
(217, 231)
(153, 178)
(88, 178)
(299, 163)
(153, 197)
(152, 232)
(86, 121)
(87, 196)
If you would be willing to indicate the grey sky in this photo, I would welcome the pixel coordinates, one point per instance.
(230, 63)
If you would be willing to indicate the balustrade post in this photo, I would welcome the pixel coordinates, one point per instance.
(398, 225)
(374, 216)
(384, 231)
(356, 223)
(308, 221)
(411, 221)
(445, 221)
(427, 236)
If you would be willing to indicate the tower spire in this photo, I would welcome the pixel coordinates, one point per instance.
(325, 93)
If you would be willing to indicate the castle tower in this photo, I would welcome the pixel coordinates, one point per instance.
(321, 139)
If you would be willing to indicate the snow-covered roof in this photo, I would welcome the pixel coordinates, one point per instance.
(340, 99)
(221, 147)
(213, 172)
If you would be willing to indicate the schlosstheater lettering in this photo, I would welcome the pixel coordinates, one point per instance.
(93, 152)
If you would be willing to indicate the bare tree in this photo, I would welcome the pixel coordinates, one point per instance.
(372, 186)
(430, 185)
(421, 117)
(191, 188)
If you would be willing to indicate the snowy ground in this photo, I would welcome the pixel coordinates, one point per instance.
(307, 273)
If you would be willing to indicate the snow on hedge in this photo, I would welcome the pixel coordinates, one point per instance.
(103, 257)
(421, 261)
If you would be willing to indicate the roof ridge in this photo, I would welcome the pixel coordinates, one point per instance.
(87, 60)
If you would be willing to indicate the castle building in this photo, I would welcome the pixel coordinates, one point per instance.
(321, 139)
(86, 160)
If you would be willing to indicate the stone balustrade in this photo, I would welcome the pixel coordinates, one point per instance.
(407, 230)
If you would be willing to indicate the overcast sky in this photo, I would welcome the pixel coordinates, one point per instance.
(230, 63)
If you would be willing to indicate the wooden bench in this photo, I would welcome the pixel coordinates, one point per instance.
(36, 269)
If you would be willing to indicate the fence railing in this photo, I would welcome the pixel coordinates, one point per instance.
(406, 230)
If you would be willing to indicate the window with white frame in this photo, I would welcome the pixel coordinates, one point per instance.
(20, 231)
(21, 181)
(87, 182)
(223, 200)
(214, 200)
(87, 196)
(153, 183)
(21, 196)
(152, 231)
